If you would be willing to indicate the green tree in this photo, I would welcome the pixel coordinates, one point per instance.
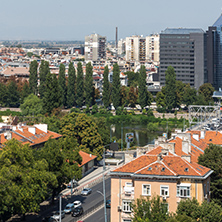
(170, 88)
(212, 158)
(3, 94)
(189, 96)
(124, 95)
(25, 91)
(143, 95)
(43, 72)
(116, 86)
(132, 96)
(133, 78)
(146, 209)
(51, 97)
(160, 100)
(62, 84)
(85, 130)
(32, 106)
(207, 91)
(179, 92)
(106, 88)
(89, 88)
(71, 88)
(33, 77)
(12, 95)
(79, 85)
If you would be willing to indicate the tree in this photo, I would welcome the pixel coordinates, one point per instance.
(25, 91)
(116, 86)
(146, 209)
(33, 77)
(106, 88)
(23, 179)
(51, 97)
(12, 95)
(3, 94)
(207, 91)
(212, 158)
(160, 100)
(124, 95)
(132, 96)
(89, 88)
(62, 84)
(43, 72)
(85, 130)
(133, 78)
(71, 88)
(32, 106)
(79, 85)
(189, 96)
(179, 92)
(143, 95)
(170, 87)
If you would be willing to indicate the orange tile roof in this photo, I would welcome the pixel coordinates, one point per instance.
(86, 157)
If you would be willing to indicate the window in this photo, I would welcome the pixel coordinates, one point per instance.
(127, 220)
(126, 206)
(183, 191)
(146, 189)
(164, 190)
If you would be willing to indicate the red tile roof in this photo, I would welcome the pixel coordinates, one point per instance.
(86, 157)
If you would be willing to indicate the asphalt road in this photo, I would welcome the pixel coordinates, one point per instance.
(99, 216)
(90, 200)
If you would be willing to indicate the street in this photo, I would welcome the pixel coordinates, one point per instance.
(99, 216)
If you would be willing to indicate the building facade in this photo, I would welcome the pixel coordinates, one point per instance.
(185, 51)
(152, 48)
(95, 47)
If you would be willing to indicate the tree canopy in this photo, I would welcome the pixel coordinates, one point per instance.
(106, 88)
(116, 86)
(79, 85)
(71, 87)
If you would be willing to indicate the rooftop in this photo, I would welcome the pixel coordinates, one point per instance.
(181, 31)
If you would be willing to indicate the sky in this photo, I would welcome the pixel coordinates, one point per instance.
(74, 19)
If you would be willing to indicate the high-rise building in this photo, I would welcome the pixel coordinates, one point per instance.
(185, 50)
(121, 47)
(136, 48)
(152, 48)
(214, 54)
(95, 47)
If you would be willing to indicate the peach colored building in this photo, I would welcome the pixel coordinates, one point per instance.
(158, 172)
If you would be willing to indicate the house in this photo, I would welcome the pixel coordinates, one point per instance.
(35, 135)
(158, 172)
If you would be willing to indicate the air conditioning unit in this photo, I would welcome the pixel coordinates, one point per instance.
(164, 198)
(119, 208)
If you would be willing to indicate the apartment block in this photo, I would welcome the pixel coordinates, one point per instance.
(136, 48)
(152, 48)
(185, 50)
(95, 47)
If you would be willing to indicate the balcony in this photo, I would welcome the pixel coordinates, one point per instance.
(128, 192)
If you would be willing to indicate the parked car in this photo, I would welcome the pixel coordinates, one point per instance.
(108, 203)
(48, 219)
(78, 211)
(56, 215)
(69, 208)
(86, 191)
(77, 203)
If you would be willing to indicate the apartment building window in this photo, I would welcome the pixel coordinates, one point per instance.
(127, 220)
(146, 189)
(126, 206)
(183, 190)
(164, 190)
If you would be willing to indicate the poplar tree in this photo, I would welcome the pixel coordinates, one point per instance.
(62, 84)
(106, 88)
(79, 85)
(170, 88)
(143, 95)
(71, 88)
(116, 97)
(33, 77)
(89, 88)
(43, 72)
(12, 95)
(51, 97)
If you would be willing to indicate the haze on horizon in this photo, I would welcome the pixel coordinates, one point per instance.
(73, 20)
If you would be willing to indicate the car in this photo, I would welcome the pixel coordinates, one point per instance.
(56, 215)
(86, 191)
(78, 211)
(69, 208)
(108, 203)
(77, 203)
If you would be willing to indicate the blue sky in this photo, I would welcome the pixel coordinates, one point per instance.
(72, 19)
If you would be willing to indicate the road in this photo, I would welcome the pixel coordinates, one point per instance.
(99, 216)
(88, 201)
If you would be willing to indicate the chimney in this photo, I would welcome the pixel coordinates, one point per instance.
(187, 158)
(43, 127)
(186, 146)
(202, 134)
(31, 129)
(169, 146)
(196, 137)
(8, 135)
(159, 157)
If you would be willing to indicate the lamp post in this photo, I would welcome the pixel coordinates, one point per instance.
(60, 207)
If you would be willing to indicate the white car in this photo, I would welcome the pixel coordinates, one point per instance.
(86, 191)
(77, 203)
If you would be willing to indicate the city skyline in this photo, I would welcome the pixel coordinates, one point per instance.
(71, 20)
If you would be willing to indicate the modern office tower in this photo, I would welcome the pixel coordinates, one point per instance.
(214, 54)
(185, 50)
(152, 48)
(121, 47)
(136, 48)
(95, 47)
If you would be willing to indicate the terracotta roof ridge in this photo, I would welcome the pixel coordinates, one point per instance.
(169, 169)
(146, 166)
(191, 166)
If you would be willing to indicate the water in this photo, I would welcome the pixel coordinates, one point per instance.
(141, 135)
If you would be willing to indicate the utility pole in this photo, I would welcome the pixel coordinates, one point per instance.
(121, 136)
(60, 208)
